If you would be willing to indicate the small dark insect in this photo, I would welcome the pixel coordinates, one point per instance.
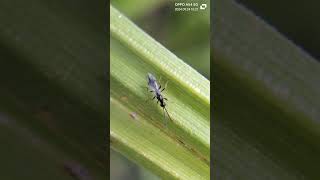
(156, 90)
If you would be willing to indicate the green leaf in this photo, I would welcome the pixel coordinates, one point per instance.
(177, 148)
(267, 100)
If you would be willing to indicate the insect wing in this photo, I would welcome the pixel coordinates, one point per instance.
(152, 82)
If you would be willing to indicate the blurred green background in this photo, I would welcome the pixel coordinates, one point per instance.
(186, 34)
(297, 20)
(53, 89)
(244, 42)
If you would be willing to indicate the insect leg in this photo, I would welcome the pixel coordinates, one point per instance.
(163, 89)
(149, 90)
(167, 113)
(152, 98)
(165, 86)
(165, 121)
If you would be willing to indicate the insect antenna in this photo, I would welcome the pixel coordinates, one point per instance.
(165, 109)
